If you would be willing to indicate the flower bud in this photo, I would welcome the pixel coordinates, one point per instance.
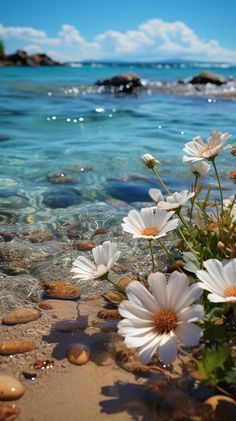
(220, 245)
(149, 161)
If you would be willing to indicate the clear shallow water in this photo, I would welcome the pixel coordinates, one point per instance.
(54, 119)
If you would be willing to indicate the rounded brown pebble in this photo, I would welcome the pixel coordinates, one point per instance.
(69, 325)
(112, 296)
(78, 354)
(56, 289)
(10, 388)
(45, 306)
(15, 346)
(222, 401)
(84, 245)
(8, 411)
(126, 280)
(21, 315)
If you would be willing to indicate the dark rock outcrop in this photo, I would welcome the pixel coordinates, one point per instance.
(125, 83)
(208, 77)
(21, 58)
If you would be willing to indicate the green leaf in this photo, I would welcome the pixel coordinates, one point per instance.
(230, 376)
(191, 263)
(212, 365)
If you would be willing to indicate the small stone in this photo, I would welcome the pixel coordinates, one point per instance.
(61, 290)
(84, 245)
(92, 298)
(21, 315)
(78, 354)
(43, 364)
(45, 306)
(60, 178)
(126, 280)
(108, 314)
(121, 268)
(8, 412)
(113, 296)
(7, 236)
(10, 388)
(15, 346)
(69, 325)
(99, 231)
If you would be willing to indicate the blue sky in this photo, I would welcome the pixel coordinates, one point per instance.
(148, 30)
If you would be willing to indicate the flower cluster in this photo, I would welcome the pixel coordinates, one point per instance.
(160, 316)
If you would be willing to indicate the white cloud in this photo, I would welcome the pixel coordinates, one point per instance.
(152, 40)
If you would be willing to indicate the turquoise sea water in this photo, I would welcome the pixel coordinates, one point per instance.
(55, 119)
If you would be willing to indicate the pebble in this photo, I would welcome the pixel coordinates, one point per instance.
(61, 290)
(15, 346)
(8, 411)
(78, 354)
(121, 268)
(10, 388)
(84, 245)
(99, 231)
(108, 314)
(69, 325)
(92, 298)
(112, 296)
(45, 306)
(60, 178)
(126, 280)
(21, 315)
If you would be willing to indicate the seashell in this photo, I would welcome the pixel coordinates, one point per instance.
(78, 354)
(84, 245)
(56, 289)
(223, 401)
(70, 325)
(45, 306)
(21, 315)
(8, 411)
(15, 346)
(10, 388)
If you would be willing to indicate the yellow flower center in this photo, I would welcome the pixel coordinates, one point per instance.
(164, 321)
(149, 231)
(230, 291)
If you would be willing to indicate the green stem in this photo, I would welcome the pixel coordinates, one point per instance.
(168, 253)
(120, 289)
(161, 181)
(188, 245)
(194, 197)
(152, 256)
(219, 183)
(183, 220)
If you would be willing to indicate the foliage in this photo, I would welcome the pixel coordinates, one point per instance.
(2, 49)
(216, 365)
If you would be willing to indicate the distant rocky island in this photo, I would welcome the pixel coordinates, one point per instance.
(21, 58)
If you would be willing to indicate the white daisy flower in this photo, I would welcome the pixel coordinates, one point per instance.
(219, 279)
(149, 161)
(199, 167)
(155, 194)
(230, 206)
(105, 256)
(175, 201)
(149, 224)
(198, 150)
(160, 319)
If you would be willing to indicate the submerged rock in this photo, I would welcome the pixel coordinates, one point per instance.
(10, 388)
(69, 325)
(208, 77)
(21, 315)
(60, 178)
(85, 245)
(129, 192)
(61, 290)
(124, 83)
(62, 198)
